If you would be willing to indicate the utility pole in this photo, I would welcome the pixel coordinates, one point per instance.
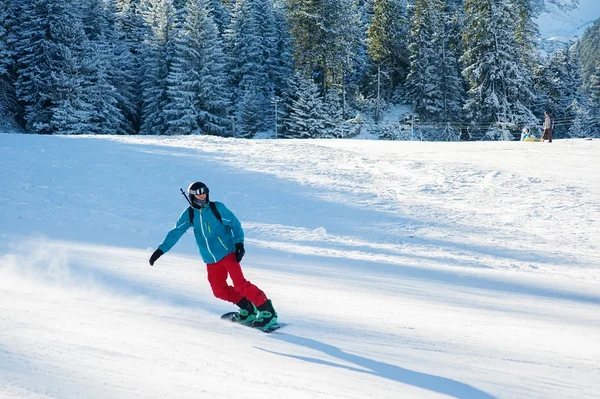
(274, 99)
(378, 86)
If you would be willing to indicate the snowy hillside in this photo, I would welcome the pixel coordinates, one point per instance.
(558, 23)
(403, 269)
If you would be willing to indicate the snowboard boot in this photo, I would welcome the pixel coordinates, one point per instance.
(247, 312)
(267, 316)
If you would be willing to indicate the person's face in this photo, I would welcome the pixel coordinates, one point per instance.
(200, 197)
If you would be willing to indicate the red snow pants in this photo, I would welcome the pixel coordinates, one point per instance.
(217, 277)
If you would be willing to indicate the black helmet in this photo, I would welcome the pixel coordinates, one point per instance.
(198, 188)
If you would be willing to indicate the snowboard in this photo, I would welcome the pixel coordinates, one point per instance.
(229, 317)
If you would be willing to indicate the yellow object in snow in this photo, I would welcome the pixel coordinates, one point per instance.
(533, 139)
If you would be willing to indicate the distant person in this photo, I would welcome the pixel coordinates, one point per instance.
(220, 240)
(525, 134)
(548, 127)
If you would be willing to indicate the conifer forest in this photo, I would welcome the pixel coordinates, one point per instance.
(465, 69)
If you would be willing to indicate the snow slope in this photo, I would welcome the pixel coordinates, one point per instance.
(403, 269)
(558, 23)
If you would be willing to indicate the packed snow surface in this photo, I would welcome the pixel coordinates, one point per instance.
(402, 269)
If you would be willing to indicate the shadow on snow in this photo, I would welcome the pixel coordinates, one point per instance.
(392, 372)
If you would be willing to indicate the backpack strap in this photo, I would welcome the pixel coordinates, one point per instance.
(215, 211)
(213, 208)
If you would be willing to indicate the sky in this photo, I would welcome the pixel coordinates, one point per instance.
(399, 269)
(557, 23)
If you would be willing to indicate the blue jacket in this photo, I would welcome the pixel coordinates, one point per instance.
(215, 240)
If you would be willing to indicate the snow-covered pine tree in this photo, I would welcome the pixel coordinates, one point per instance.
(251, 44)
(50, 46)
(131, 32)
(281, 63)
(594, 101)
(527, 36)
(305, 118)
(105, 69)
(251, 107)
(543, 86)
(452, 84)
(387, 38)
(565, 91)
(160, 17)
(33, 84)
(589, 52)
(351, 55)
(333, 110)
(70, 69)
(424, 81)
(307, 26)
(500, 87)
(8, 97)
(220, 13)
(580, 127)
(328, 38)
(526, 32)
(199, 91)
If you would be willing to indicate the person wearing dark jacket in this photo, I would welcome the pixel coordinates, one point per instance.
(221, 246)
(548, 127)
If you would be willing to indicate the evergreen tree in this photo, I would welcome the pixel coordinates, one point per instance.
(589, 52)
(33, 85)
(452, 84)
(387, 38)
(252, 46)
(308, 29)
(424, 80)
(160, 17)
(499, 85)
(52, 79)
(581, 124)
(106, 69)
(72, 112)
(565, 91)
(328, 39)
(594, 101)
(199, 92)
(281, 63)
(526, 31)
(131, 31)
(588, 55)
(219, 11)
(526, 36)
(305, 117)
(8, 97)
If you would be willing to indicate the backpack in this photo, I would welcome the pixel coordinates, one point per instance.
(213, 208)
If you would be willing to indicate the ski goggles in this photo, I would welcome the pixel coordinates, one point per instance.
(200, 191)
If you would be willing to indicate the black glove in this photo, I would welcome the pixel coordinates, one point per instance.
(155, 255)
(239, 251)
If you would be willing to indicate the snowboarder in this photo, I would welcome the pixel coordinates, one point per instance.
(548, 127)
(220, 240)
